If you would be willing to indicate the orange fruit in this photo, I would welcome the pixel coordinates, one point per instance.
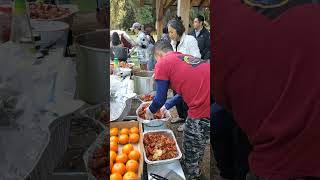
(124, 131)
(111, 165)
(127, 148)
(132, 165)
(115, 176)
(119, 168)
(114, 146)
(134, 155)
(134, 130)
(122, 158)
(130, 176)
(114, 132)
(123, 139)
(134, 138)
(114, 139)
(113, 155)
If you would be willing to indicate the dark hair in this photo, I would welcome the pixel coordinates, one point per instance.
(165, 30)
(162, 46)
(115, 39)
(177, 24)
(148, 27)
(200, 18)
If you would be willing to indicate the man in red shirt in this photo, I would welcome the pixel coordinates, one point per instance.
(266, 72)
(190, 78)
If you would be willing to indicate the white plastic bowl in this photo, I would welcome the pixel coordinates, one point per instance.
(154, 122)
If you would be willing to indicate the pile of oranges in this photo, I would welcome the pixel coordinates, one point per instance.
(124, 162)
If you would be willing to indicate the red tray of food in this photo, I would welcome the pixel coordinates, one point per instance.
(160, 147)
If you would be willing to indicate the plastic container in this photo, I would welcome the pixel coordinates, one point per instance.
(57, 146)
(51, 32)
(154, 122)
(170, 133)
(88, 153)
(93, 113)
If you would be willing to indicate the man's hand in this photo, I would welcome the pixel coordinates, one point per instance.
(149, 115)
(163, 109)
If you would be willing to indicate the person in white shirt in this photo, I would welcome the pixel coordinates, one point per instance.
(180, 41)
(185, 44)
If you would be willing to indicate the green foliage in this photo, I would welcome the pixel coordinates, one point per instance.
(125, 12)
(145, 15)
(129, 18)
(117, 13)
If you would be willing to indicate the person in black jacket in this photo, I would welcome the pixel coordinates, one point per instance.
(202, 35)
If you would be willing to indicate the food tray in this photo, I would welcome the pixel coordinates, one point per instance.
(162, 161)
(93, 113)
(66, 18)
(88, 153)
(58, 143)
(154, 122)
(139, 146)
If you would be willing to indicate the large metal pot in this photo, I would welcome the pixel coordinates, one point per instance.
(143, 82)
(93, 59)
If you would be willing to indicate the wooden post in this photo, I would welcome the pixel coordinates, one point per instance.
(184, 11)
(141, 3)
(159, 14)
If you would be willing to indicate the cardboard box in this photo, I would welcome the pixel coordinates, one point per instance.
(130, 124)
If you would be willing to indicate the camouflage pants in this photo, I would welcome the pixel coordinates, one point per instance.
(196, 135)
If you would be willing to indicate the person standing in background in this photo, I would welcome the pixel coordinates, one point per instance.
(165, 35)
(202, 35)
(115, 40)
(142, 45)
(148, 30)
(186, 44)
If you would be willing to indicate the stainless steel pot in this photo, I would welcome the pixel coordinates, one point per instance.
(143, 82)
(93, 59)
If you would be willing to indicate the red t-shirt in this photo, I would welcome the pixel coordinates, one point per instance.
(266, 71)
(192, 82)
